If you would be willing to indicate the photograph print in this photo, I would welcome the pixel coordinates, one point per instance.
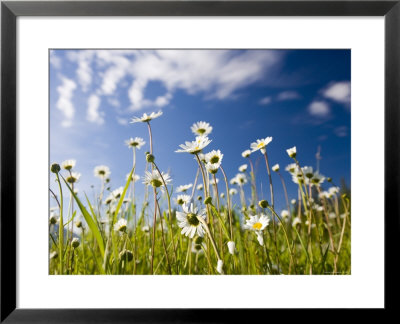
(199, 162)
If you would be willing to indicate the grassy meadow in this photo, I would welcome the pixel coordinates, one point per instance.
(197, 229)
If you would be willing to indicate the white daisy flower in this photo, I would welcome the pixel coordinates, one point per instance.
(324, 194)
(275, 168)
(137, 142)
(199, 187)
(233, 191)
(296, 221)
(145, 228)
(240, 179)
(212, 168)
(291, 168)
(308, 172)
(201, 128)
(293, 201)
(120, 226)
(332, 215)
(102, 171)
(154, 179)
(292, 152)
(317, 179)
(257, 224)
(73, 177)
(333, 190)
(220, 264)
(246, 153)
(53, 218)
(243, 168)
(188, 220)
(182, 199)
(284, 213)
(184, 188)
(195, 146)
(146, 118)
(214, 157)
(117, 192)
(134, 178)
(110, 198)
(222, 195)
(68, 164)
(261, 144)
(231, 247)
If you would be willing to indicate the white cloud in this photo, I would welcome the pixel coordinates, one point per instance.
(216, 74)
(341, 131)
(64, 102)
(122, 121)
(55, 61)
(265, 101)
(84, 71)
(288, 95)
(339, 91)
(319, 109)
(93, 115)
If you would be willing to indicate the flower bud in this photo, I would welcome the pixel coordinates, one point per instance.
(75, 242)
(263, 203)
(126, 255)
(208, 200)
(150, 158)
(220, 264)
(55, 168)
(198, 240)
(231, 247)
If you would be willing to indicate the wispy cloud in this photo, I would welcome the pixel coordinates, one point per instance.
(319, 109)
(265, 101)
(338, 91)
(64, 102)
(341, 131)
(55, 61)
(288, 95)
(93, 114)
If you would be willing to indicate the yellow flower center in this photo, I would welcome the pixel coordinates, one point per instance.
(257, 226)
(261, 145)
(201, 131)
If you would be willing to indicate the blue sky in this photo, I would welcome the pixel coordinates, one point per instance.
(299, 97)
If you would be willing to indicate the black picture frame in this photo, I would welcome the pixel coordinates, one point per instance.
(10, 10)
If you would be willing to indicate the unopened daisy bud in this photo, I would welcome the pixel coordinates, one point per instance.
(55, 168)
(263, 203)
(252, 206)
(75, 242)
(275, 168)
(220, 264)
(54, 255)
(53, 219)
(231, 247)
(126, 255)
(198, 240)
(208, 200)
(150, 158)
(292, 152)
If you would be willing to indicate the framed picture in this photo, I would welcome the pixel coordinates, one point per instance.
(191, 155)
